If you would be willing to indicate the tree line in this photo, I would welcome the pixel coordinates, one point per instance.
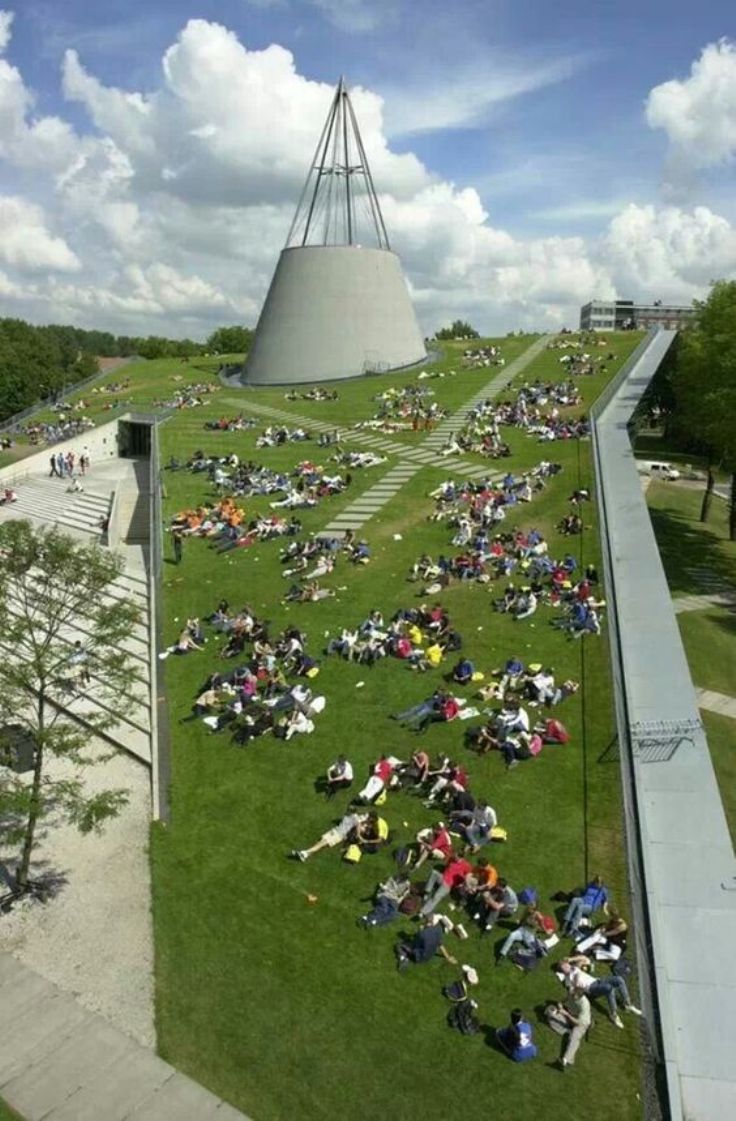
(41, 362)
(696, 390)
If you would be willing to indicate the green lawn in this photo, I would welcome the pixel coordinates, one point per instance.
(286, 1008)
(8, 1114)
(685, 544)
(721, 732)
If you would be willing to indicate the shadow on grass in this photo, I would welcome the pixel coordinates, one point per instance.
(683, 547)
(725, 619)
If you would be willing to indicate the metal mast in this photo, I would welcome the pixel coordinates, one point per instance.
(339, 204)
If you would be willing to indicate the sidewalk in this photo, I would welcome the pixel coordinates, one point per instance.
(59, 1062)
(716, 702)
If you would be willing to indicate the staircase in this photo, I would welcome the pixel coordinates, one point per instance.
(48, 501)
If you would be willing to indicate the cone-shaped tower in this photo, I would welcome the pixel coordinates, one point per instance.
(338, 305)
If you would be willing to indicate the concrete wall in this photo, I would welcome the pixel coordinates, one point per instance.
(101, 442)
(334, 312)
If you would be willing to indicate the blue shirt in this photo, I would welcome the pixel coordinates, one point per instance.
(595, 897)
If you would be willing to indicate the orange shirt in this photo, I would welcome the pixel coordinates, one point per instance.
(487, 877)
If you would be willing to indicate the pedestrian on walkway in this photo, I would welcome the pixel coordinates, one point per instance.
(53, 473)
(178, 547)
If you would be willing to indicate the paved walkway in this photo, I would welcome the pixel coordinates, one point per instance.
(700, 603)
(716, 702)
(504, 377)
(59, 1062)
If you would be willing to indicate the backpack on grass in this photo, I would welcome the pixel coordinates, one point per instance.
(462, 1018)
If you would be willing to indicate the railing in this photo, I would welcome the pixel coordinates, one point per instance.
(55, 398)
(160, 744)
(629, 750)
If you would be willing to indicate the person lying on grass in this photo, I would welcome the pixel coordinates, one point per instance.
(381, 775)
(387, 900)
(424, 945)
(342, 833)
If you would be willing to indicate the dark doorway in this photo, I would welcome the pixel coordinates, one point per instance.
(134, 439)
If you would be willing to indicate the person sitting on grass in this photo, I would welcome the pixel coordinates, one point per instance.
(608, 940)
(482, 878)
(414, 774)
(340, 834)
(442, 881)
(190, 638)
(435, 843)
(373, 834)
(462, 673)
(531, 933)
(425, 944)
(485, 738)
(501, 902)
(516, 1039)
(519, 748)
(572, 1019)
(477, 825)
(339, 776)
(450, 782)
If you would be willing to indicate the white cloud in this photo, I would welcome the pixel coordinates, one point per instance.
(6, 20)
(471, 93)
(668, 252)
(698, 113)
(25, 242)
(179, 200)
(356, 15)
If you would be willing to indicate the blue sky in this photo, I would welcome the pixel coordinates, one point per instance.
(543, 113)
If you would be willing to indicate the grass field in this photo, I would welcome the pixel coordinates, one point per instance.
(286, 1008)
(686, 544)
(8, 1114)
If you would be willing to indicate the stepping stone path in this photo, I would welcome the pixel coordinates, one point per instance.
(411, 458)
(719, 703)
(718, 593)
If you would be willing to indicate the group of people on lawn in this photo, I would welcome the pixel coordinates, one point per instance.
(258, 697)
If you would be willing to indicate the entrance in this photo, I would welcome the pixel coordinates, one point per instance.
(134, 439)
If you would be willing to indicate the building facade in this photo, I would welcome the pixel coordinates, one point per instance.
(627, 315)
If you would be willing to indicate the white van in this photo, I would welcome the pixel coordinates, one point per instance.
(657, 470)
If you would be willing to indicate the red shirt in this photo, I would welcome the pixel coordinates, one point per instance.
(450, 709)
(460, 777)
(442, 841)
(456, 871)
(383, 769)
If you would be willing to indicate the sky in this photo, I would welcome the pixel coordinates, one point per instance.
(527, 158)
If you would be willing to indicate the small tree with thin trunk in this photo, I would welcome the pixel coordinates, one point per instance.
(55, 592)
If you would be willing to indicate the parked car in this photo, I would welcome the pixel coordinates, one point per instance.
(657, 470)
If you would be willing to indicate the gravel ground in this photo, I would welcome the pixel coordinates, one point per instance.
(94, 938)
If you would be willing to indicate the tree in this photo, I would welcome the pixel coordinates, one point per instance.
(705, 387)
(230, 340)
(459, 329)
(48, 583)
